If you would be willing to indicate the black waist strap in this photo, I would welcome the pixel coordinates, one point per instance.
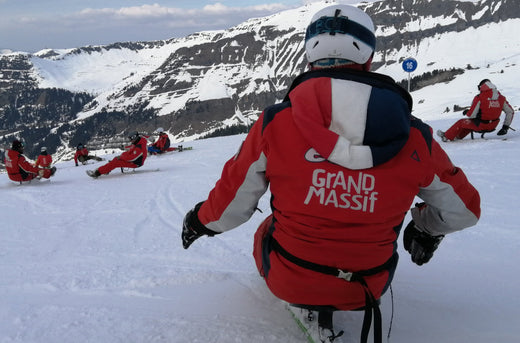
(339, 273)
(371, 303)
(489, 121)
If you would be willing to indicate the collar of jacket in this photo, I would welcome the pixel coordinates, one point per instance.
(365, 123)
(366, 77)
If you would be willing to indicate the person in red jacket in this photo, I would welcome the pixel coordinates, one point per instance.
(133, 157)
(82, 155)
(344, 160)
(21, 170)
(161, 144)
(484, 114)
(44, 160)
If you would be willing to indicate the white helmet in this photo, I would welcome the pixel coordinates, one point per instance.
(340, 32)
(159, 130)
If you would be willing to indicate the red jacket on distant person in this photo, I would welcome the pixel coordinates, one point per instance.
(133, 157)
(489, 104)
(43, 161)
(80, 152)
(163, 142)
(484, 114)
(136, 152)
(18, 168)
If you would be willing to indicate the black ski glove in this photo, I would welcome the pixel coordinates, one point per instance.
(419, 244)
(192, 228)
(503, 130)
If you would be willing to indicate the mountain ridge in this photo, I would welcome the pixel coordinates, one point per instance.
(207, 81)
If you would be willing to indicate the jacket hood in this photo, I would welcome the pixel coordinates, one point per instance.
(489, 88)
(352, 118)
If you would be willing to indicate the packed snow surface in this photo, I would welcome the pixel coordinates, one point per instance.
(101, 260)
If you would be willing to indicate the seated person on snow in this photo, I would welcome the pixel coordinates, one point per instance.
(83, 156)
(162, 143)
(484, 114)
(19, 169)
(44, 160)
(322, 248)
(133, 157)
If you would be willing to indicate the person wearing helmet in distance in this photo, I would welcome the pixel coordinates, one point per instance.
(484, 114)
(161, 144)
(133, 157)
(82, 155)
(44, 160)
(19, 169)
(344, 159)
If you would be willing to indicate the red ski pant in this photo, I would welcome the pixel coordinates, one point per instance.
(47, 172)
(44, 172)
(299, 285)
(116, 163)
(463, 127)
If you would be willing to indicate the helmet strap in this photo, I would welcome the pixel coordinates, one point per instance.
(335, 24)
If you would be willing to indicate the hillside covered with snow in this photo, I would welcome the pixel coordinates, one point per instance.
(195, 85)
(101, 260)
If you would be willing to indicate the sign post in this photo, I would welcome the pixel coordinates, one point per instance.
(409, 65)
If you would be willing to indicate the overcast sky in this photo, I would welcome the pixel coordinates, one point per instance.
(32, 25)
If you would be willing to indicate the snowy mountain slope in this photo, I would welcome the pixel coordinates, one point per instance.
(86, 260)
(98, 71)
(235, 76)
(210, 80)
(462, 49)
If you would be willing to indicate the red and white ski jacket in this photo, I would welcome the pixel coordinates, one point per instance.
(135, 153)
(43, 161)
(344, 160)
(80, 152)
(18, 168)
(489, 104)
(163, 142)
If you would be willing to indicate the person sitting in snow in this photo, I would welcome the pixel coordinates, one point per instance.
(344, 160)
(133, 157)
(82, 155)
(161, 144)
(484, 114)
(19, 169)
(44, 160)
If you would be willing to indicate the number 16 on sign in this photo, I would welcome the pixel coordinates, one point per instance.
(409, 65)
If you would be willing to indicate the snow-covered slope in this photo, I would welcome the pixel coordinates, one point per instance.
(212, 80)
(438, 52)
(97, 71)
(84, 260)
(109, 71)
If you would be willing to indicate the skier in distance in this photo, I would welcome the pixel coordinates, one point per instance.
(162, 143)
(133, 157)
(484, 114)
(82, 155)
(44, 160)
(19, 169)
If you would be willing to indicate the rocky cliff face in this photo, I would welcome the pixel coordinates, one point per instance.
(200, 83)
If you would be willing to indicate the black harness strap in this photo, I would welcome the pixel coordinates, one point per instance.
(372, 305)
